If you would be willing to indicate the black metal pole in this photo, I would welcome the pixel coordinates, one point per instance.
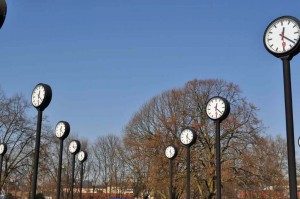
(218, 159)
(290, 128)
(37, 154)
(188, 181)
(72, 179)
(1, 161)
(171, 179)
(81, 180)
(59, 169)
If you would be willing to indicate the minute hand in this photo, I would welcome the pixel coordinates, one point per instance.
(287, 38)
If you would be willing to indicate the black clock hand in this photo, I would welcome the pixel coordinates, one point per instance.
(282, 34)
(287, 38)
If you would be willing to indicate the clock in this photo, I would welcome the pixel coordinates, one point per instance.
(171, 152)
(62, 130)
(281, 38)
(188, 136)
(82, 156)
(299, 141)
(3, 149)
(74, 146)
(41, 96)
(217, 108)
(3, 9)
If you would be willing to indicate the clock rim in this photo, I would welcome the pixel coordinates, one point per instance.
(288, 54)
(194, 135)
(226, 111)
(47, 99)
(175, 152)
(67, 129)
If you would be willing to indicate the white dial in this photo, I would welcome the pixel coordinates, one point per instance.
(187, 136)
(282, 35)
(62, 129)
(217, 108)
(38, 95)
(2, 149)
(74, 146)
(82, 155)
(170, 152)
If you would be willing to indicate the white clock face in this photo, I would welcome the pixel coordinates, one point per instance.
(1, 148)
(215, 108)
(170, 152)
(187, 136)
(73, 147)
(282, 35)
(38, 95)
(81, 155)
(60, 129)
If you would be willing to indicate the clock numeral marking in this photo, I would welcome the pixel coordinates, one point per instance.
(294, 26)
(275, 26)
(296, 32)
(281, 23)
(270, 39)
(270, 32)
(277, 49)
(289, 22)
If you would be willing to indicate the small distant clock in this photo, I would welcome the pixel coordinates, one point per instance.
(41, 96)
(82, 156)
(74, 146)
(3, 148)
(171, 152)
(62, 130)
(217, 108)
(281, 37)
(188, 136)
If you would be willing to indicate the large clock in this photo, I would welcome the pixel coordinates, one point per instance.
(41, 96)
(281, 37)
(62, 129)
(188, 136)
(217, 108)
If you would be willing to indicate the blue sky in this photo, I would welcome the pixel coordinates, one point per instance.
(105, 58)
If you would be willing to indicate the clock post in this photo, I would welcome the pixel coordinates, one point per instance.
(282, 39)
(82, 156)
(188, 137)
(218, 109)
(171, 153)
(3, 10)
(74, 148)
(62, 131)
(3, 149)
(41, 98)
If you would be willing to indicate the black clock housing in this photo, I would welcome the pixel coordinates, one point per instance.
(3, 10)
(226, 112)
(85, 156)
(289, 54)
(194, 135)
(78, 146)
(47, 98)
(4, 148)
(67, 130)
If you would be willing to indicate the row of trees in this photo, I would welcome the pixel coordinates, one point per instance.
(251, 161)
